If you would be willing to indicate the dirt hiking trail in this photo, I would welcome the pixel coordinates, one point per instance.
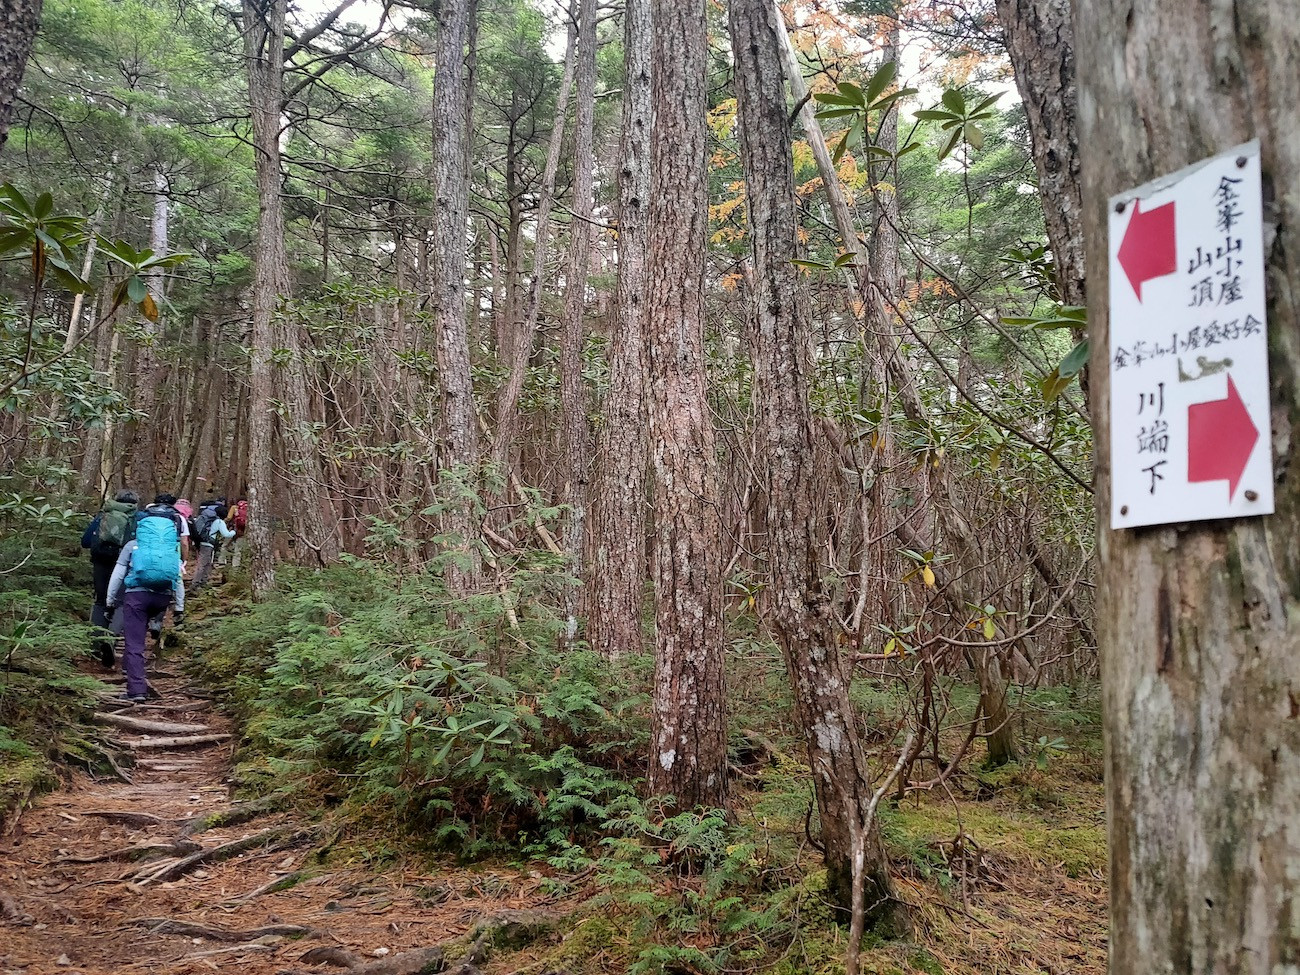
(166, 874)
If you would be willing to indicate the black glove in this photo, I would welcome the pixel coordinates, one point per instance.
(178, 619)
(108, 613)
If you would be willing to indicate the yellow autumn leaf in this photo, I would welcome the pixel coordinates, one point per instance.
(989, 629)
(927, 574)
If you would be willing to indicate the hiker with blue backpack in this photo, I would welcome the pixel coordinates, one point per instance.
(210, 530)
(105, 536)
(145, 582)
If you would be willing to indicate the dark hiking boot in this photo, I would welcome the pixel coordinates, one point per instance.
(125, 698)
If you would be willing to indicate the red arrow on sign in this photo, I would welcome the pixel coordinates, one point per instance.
(1220, 438)
(1148, 249)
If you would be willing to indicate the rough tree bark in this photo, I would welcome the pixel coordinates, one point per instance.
(574, 435)
(799, 606)
(264, 54)
(19, 20)
(618, 512)
(447, 273)
(1198, 624)
(688, 737)
(1040, 43)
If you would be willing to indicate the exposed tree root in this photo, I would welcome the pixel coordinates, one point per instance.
(230, 816)
(279, 883)
(128, 818)
(512, 929)
(332, 955)
(131, 723)
(767, 748)
(271, 839)
(94, 759)
(148, 851)
(189, 929)
(192, 741)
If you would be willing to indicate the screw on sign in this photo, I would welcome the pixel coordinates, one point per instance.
(1188, 353)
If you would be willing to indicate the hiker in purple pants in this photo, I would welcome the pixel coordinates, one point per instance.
(146, 580)
(139, 606)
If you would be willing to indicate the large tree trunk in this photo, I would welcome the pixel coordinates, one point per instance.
(617, 576)
(799, 606)
(447, 274)
(688, 738)
(264, 53)
(574, 435)
(1198, 626)
(1040, 42)
(19, 20)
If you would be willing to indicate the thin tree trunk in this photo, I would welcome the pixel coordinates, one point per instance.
(799, 606)
(883, 458)
(1197, 623)
(688, 737)
(97, 436)
(88, 264)
(507, 406)
(1040, 42)
(880, 329)
(146, 431)
(19, 20)
(447, 273)
(617, 575)
(574, 435)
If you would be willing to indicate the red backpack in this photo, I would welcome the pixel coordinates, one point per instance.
(240, 517)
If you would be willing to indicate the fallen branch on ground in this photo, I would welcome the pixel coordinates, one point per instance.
(144, 725)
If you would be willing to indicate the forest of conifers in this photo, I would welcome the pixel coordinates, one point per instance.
(668, 438)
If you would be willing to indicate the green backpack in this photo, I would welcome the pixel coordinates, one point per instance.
(116, 526)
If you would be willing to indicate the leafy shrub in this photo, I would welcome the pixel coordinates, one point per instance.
(360, 688)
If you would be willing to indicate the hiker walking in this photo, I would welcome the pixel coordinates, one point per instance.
(186, 511)
(238, 520)
(210, 530)
(111, 528)
(146, 580)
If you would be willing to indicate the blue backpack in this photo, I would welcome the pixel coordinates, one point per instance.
(156, 562)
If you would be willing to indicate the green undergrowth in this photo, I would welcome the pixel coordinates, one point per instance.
(464, 732)
(430, 727)
(45, 596)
